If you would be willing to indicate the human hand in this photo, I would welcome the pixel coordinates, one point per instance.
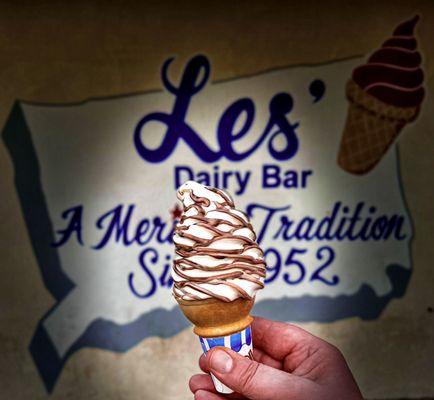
(289, 364)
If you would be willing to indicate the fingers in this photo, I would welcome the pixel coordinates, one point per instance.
(253, 380)
(201, 382)
(278, 339)
(258, 355)
(204, 395)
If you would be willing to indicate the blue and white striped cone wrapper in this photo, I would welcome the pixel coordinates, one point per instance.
(240, 342)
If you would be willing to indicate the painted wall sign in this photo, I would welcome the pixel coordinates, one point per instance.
(97, 182)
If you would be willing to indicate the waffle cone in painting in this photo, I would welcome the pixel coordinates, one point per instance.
(214, 318)
(371, 128)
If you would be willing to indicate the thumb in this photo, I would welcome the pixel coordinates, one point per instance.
(251, 379)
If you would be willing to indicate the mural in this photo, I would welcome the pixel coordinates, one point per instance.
(321, 185)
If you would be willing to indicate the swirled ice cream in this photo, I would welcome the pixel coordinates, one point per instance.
(384, 94)
(216, 251)
(393, 73)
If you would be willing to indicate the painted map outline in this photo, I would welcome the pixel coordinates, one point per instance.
(104, 334)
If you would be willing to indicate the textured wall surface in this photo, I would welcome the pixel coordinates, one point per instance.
(61, 52)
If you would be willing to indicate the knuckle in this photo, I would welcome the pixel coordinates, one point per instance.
(325, 346)
(247, 378)
(331, 348)
(334, 352)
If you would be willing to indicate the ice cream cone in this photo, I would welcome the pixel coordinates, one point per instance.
(214, 318)
(371, 128)
(217, 271)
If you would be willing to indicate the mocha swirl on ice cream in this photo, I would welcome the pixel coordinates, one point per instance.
(217, 255)
(393, 73)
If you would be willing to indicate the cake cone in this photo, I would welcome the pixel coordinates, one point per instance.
(214, 318)
(371, 128)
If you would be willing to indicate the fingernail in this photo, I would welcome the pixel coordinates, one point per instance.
(221, 361)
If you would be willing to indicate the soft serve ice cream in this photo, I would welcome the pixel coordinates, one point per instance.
(217, 255)
(218, 269)
(385, 94)
(393, 73)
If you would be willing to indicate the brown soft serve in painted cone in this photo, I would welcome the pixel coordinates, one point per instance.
(385, 94)
(219, 266)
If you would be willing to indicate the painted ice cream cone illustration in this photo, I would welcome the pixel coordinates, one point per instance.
(218, 269)
(384, 94)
